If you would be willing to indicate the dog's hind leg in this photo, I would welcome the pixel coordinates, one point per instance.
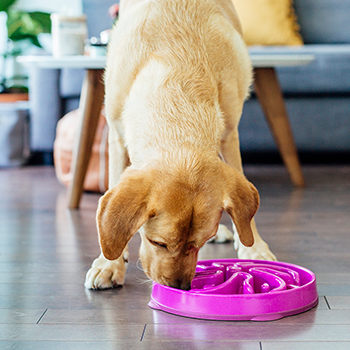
(223, 235)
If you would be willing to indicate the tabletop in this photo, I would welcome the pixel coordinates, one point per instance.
(99, 62)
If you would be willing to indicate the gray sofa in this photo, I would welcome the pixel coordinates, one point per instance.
(317, 95)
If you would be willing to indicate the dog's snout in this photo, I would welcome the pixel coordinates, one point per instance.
(180, 283)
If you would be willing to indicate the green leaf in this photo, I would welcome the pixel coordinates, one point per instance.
(43, 18)
(27, 25)
(5, 4)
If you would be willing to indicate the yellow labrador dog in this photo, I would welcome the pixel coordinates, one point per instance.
(177, 75)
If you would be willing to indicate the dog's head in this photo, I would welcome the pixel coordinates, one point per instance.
(177, 209)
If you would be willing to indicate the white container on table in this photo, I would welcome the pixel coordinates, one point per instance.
(68, 34)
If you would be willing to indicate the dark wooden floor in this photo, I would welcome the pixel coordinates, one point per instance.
(45, 250)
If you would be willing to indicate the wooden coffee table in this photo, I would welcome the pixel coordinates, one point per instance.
(92, 95)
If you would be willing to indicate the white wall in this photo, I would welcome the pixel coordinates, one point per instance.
(72, 7)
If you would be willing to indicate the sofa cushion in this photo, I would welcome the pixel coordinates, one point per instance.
(329, 73)
(268, 22)
(324, 21)
(319, 124)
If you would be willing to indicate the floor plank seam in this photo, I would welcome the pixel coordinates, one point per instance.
(143, 332)
(41, 317)
(329, 307)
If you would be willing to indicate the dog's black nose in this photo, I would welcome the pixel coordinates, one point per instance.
(181, 284)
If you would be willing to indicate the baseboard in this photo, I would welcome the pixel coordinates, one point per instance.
(322, 158)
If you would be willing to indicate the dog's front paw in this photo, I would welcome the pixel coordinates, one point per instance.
(259, 251)
(256, 252)
(105, 274)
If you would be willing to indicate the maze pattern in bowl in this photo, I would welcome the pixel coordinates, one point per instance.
(241, 290)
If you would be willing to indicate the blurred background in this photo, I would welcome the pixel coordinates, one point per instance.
(317, 96)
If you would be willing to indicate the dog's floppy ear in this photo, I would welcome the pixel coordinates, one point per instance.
(241, 202)
(121, 212)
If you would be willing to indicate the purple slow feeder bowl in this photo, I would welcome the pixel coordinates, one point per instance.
(240, 290)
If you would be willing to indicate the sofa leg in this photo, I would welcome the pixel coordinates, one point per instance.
(91, 100)
(271, 100)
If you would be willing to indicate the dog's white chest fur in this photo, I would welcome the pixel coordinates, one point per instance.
(160, 114)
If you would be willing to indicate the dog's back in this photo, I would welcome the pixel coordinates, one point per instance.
(185, 52)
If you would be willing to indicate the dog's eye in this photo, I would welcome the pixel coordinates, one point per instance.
(158, 244)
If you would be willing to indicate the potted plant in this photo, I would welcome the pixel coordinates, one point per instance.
(23, 29)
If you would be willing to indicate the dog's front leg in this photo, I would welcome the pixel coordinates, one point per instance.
(230, 151)
(259, 251)
(104, 273)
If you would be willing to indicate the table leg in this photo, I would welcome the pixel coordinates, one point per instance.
(91, 99)
(271, 99)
